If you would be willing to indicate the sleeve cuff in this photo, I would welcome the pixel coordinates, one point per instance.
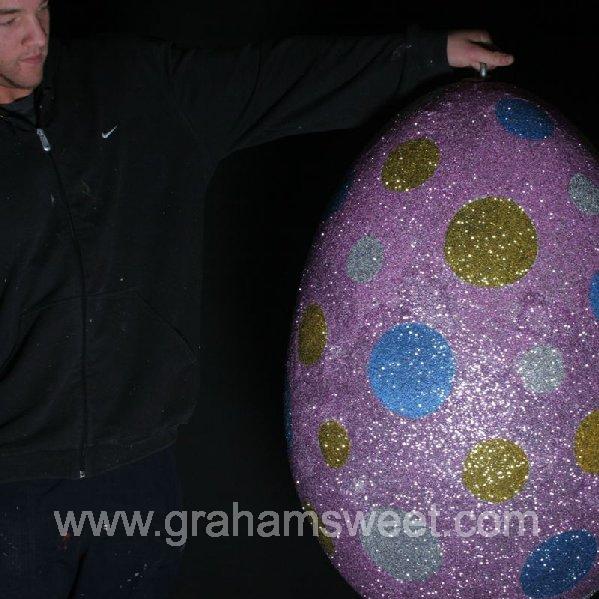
(424, 56)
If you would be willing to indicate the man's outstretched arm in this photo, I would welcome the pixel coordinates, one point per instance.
(240, 97)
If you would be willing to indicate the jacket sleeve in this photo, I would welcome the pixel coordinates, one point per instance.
(240, 97)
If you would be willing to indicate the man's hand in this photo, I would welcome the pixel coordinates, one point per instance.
(465, 48)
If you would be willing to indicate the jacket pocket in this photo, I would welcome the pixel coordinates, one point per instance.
(40, 380)
(141, 372)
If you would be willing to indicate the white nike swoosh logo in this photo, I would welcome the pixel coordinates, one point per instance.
(109, 133)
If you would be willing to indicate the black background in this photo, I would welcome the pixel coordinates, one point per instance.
(262, 209)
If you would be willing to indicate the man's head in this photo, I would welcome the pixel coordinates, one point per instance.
(24, 30)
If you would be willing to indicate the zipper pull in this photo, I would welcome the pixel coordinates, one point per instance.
(45, 143)
(81, 473)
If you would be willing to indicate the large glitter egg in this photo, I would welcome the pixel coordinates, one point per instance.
(442, 394)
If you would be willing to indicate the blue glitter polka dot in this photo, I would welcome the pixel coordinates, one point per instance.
(523, 118)
(558, 564)
(339, 198)
(411, 370)
(594, 294)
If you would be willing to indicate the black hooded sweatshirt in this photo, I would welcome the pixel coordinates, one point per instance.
(101, 216)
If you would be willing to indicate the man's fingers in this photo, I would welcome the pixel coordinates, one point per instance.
(470, 47)
(480, 36)
(492, 59)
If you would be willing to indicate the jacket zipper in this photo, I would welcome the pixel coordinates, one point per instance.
(82, 447)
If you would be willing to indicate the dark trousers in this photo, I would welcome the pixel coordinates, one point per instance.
(37, 561)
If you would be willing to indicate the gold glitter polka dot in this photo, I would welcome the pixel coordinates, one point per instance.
(312, 335)
(334, 443)
(324, 539)
(586, 443)
(495, 470)
(491, 242)
(411, 164)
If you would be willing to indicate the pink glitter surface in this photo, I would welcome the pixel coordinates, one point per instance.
(414, 463)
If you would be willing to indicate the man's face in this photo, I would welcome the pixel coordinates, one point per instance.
(24, 30)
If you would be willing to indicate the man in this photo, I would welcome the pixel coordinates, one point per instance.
(106, 148)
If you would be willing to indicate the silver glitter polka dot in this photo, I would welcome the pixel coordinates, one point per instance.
(365, 259)
(584, 193)
(542, 369)
(403, 556)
